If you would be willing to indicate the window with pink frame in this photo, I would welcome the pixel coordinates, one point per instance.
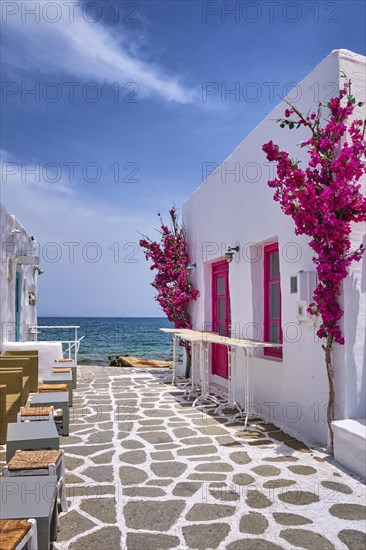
(272, 300)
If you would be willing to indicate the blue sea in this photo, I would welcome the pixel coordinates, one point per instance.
(103, 336)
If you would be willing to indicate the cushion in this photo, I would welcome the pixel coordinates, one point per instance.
(33, 460)
(12, 532)
(53, 387)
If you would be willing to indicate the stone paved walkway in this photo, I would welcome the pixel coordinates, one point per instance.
(146, 471)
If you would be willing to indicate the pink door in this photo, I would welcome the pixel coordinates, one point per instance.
(220, 316)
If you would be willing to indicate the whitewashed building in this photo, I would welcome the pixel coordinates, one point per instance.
(273, 267)
(19, 271)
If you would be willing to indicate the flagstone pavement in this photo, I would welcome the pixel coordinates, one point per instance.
(146, 471)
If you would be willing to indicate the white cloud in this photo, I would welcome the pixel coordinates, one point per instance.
(89, 251)
(83, 50)
(32, 173)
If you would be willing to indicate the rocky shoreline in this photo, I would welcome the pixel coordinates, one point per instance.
(130, 361)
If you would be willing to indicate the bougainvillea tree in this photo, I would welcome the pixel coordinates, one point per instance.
(324, 199)
(170, 260)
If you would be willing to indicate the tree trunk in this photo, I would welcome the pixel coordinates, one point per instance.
(330, 409)
(188, 361)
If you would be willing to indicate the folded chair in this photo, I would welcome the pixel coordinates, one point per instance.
(8, 363)
(16, 383)
(31, 463)
(32, 367)
(9, 406)
(16, 534)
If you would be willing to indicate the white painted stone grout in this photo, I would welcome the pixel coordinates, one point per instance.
(146, 385)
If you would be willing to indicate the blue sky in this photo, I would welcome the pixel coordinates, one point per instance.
(128, 102)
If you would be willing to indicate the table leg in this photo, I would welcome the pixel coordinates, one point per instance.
(249, 387)
(10, 450)
(230, 403)
(54, 521)
(70, 393)
(204, 368)
(65, 419)
(246, 412)
(74, 376)
(44, 533)
(205, 399)
(175, 359)
(195, 370)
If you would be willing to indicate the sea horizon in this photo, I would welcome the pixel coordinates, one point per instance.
(102, 316)
(109, 336)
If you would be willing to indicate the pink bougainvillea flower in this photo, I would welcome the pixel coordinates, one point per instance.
(169, 259)
(325, 198)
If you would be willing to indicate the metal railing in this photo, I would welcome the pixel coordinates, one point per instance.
(72, 346)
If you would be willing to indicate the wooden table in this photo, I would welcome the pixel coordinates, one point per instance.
(31, 497)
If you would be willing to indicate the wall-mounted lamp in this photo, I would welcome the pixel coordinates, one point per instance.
(229, 254)
(190, 267)
(37, 269)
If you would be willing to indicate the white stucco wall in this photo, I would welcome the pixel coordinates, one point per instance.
(354, 295)
(230, 210)
(48, 352)
(15, 242)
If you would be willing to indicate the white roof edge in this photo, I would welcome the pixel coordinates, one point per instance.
(348, 54)
(16, 221)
